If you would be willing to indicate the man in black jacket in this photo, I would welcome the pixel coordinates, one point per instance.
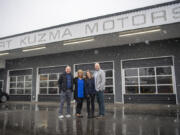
(65, 83)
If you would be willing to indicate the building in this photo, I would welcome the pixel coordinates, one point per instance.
(138, 49)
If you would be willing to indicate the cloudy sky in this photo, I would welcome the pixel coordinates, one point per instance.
(18, 16)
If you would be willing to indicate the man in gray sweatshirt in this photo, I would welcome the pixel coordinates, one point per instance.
(99, 76)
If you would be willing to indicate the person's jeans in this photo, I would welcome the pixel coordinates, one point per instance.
(90, 103)
(65, 96)
(79, 105)
(100, 100)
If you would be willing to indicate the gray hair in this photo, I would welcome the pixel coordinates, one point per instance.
(68, 67)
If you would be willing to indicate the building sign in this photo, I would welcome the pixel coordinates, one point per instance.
(118, 23)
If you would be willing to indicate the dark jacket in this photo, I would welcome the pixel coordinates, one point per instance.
(90, 86)
(62, 82)
(76, 88)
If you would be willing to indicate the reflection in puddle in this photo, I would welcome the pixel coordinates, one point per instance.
(123, 119)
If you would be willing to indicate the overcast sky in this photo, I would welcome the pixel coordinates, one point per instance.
(18, 16)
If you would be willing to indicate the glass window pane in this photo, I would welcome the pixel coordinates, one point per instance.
(146, 71)
(20, 85)
(164, 80)
(108, 90)
(13, 79)
(12, 91)
(43, 77)
(53, 77)
(131, 81)
(20, 78)
(109, 73)
(148, 89)
(27, 91)
(28, 78)
(43, 90)
(147, 80)
(28, 84)
(163, 70)
(53, 90)
(12, 85)
(20, 91)
(131, 72)
(109, 81)
(165, 89)
(132, 89)
(53, 84)
(43, 84)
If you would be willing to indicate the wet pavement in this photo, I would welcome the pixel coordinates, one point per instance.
(18, 118)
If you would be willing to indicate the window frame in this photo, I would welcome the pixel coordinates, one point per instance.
(16, 82)
(155, 75)
(58, 91)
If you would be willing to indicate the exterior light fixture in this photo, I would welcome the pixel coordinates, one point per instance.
(78, 41)
(33, 49)
(139, 33)
(2, 54)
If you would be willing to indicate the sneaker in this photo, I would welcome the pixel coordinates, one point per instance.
(61, 117)
(68, 116)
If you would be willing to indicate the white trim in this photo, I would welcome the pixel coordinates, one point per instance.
(7, 82)
(148, 67)
(2, 84)
(16, 69)
(51, 66)
(50, 94)
(113, 77)
(94, 62)
(174, 79)
(37, 84)
(122, 81)
(144, 58)
(149, 94)
(139, 88)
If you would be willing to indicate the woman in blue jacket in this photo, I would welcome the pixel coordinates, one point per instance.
(90, 93)
(79, 92)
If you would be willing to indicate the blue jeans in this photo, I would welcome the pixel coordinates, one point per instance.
(65, 96)
(100, 100)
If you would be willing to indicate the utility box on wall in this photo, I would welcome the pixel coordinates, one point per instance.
(2, 64)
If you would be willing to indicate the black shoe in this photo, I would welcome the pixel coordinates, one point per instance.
(79, 115)
(100, 117)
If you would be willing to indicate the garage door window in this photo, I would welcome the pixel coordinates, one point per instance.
(149, 80)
